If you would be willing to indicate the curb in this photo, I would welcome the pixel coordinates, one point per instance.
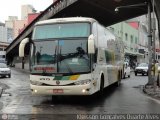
(150, 94)
(19, 69)
(1, 91)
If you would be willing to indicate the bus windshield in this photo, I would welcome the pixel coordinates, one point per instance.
(68, 30)
(60, 55)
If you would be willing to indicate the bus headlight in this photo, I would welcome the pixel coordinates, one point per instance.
(82, 82)
(35, 83)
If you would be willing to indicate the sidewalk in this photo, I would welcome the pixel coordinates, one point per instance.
(20, 70)
(155, 93)
(1, 91)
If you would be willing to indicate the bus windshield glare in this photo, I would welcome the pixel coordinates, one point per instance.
(61, 30)
(63, 51)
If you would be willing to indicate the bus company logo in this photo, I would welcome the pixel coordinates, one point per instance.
(47, 79)
(57, 82)
(4, 117)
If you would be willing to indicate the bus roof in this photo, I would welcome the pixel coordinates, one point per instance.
(65, 20)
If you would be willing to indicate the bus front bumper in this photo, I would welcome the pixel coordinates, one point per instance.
(62, 90)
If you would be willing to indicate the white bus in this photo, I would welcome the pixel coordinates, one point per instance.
(73, 56)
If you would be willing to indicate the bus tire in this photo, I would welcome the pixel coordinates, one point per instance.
(54, 98)
(135, 73)
(124, 76)
(118, 83)
(119, 80)
(121, 75)
(158, 81)
(101, 90)
(9, 75)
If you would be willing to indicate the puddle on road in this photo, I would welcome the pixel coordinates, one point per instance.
(139, 86)
(4, 86)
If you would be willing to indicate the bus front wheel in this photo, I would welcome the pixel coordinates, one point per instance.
(101, 90)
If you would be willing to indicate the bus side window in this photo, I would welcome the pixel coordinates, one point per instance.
(94, 31)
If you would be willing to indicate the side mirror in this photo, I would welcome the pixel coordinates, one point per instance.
(91, 48)
(22, 46)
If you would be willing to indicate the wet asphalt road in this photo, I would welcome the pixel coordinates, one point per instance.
(126, 99)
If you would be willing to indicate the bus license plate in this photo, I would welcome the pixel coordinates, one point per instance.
(57, 90)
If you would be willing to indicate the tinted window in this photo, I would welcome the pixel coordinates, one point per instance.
(62, 30)
(3, 65)
(62, 56)
(143, 65)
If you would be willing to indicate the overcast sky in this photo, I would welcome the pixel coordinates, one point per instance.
(13, 7)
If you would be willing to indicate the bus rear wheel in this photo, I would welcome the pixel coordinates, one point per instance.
(119, 80)
(124, 76)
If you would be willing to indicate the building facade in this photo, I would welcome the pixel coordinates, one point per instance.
(15, 26)
(130, 37)
(10, 27)
(18, 26)
(25, 10)
(3, 33)
(143, 36)
(32, 16)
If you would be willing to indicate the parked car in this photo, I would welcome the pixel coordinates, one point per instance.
(4, 70)
(142, 68)
(127, 70)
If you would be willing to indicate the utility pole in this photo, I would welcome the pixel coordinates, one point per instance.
(153, 31)
(150, 81)
(154, 44)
